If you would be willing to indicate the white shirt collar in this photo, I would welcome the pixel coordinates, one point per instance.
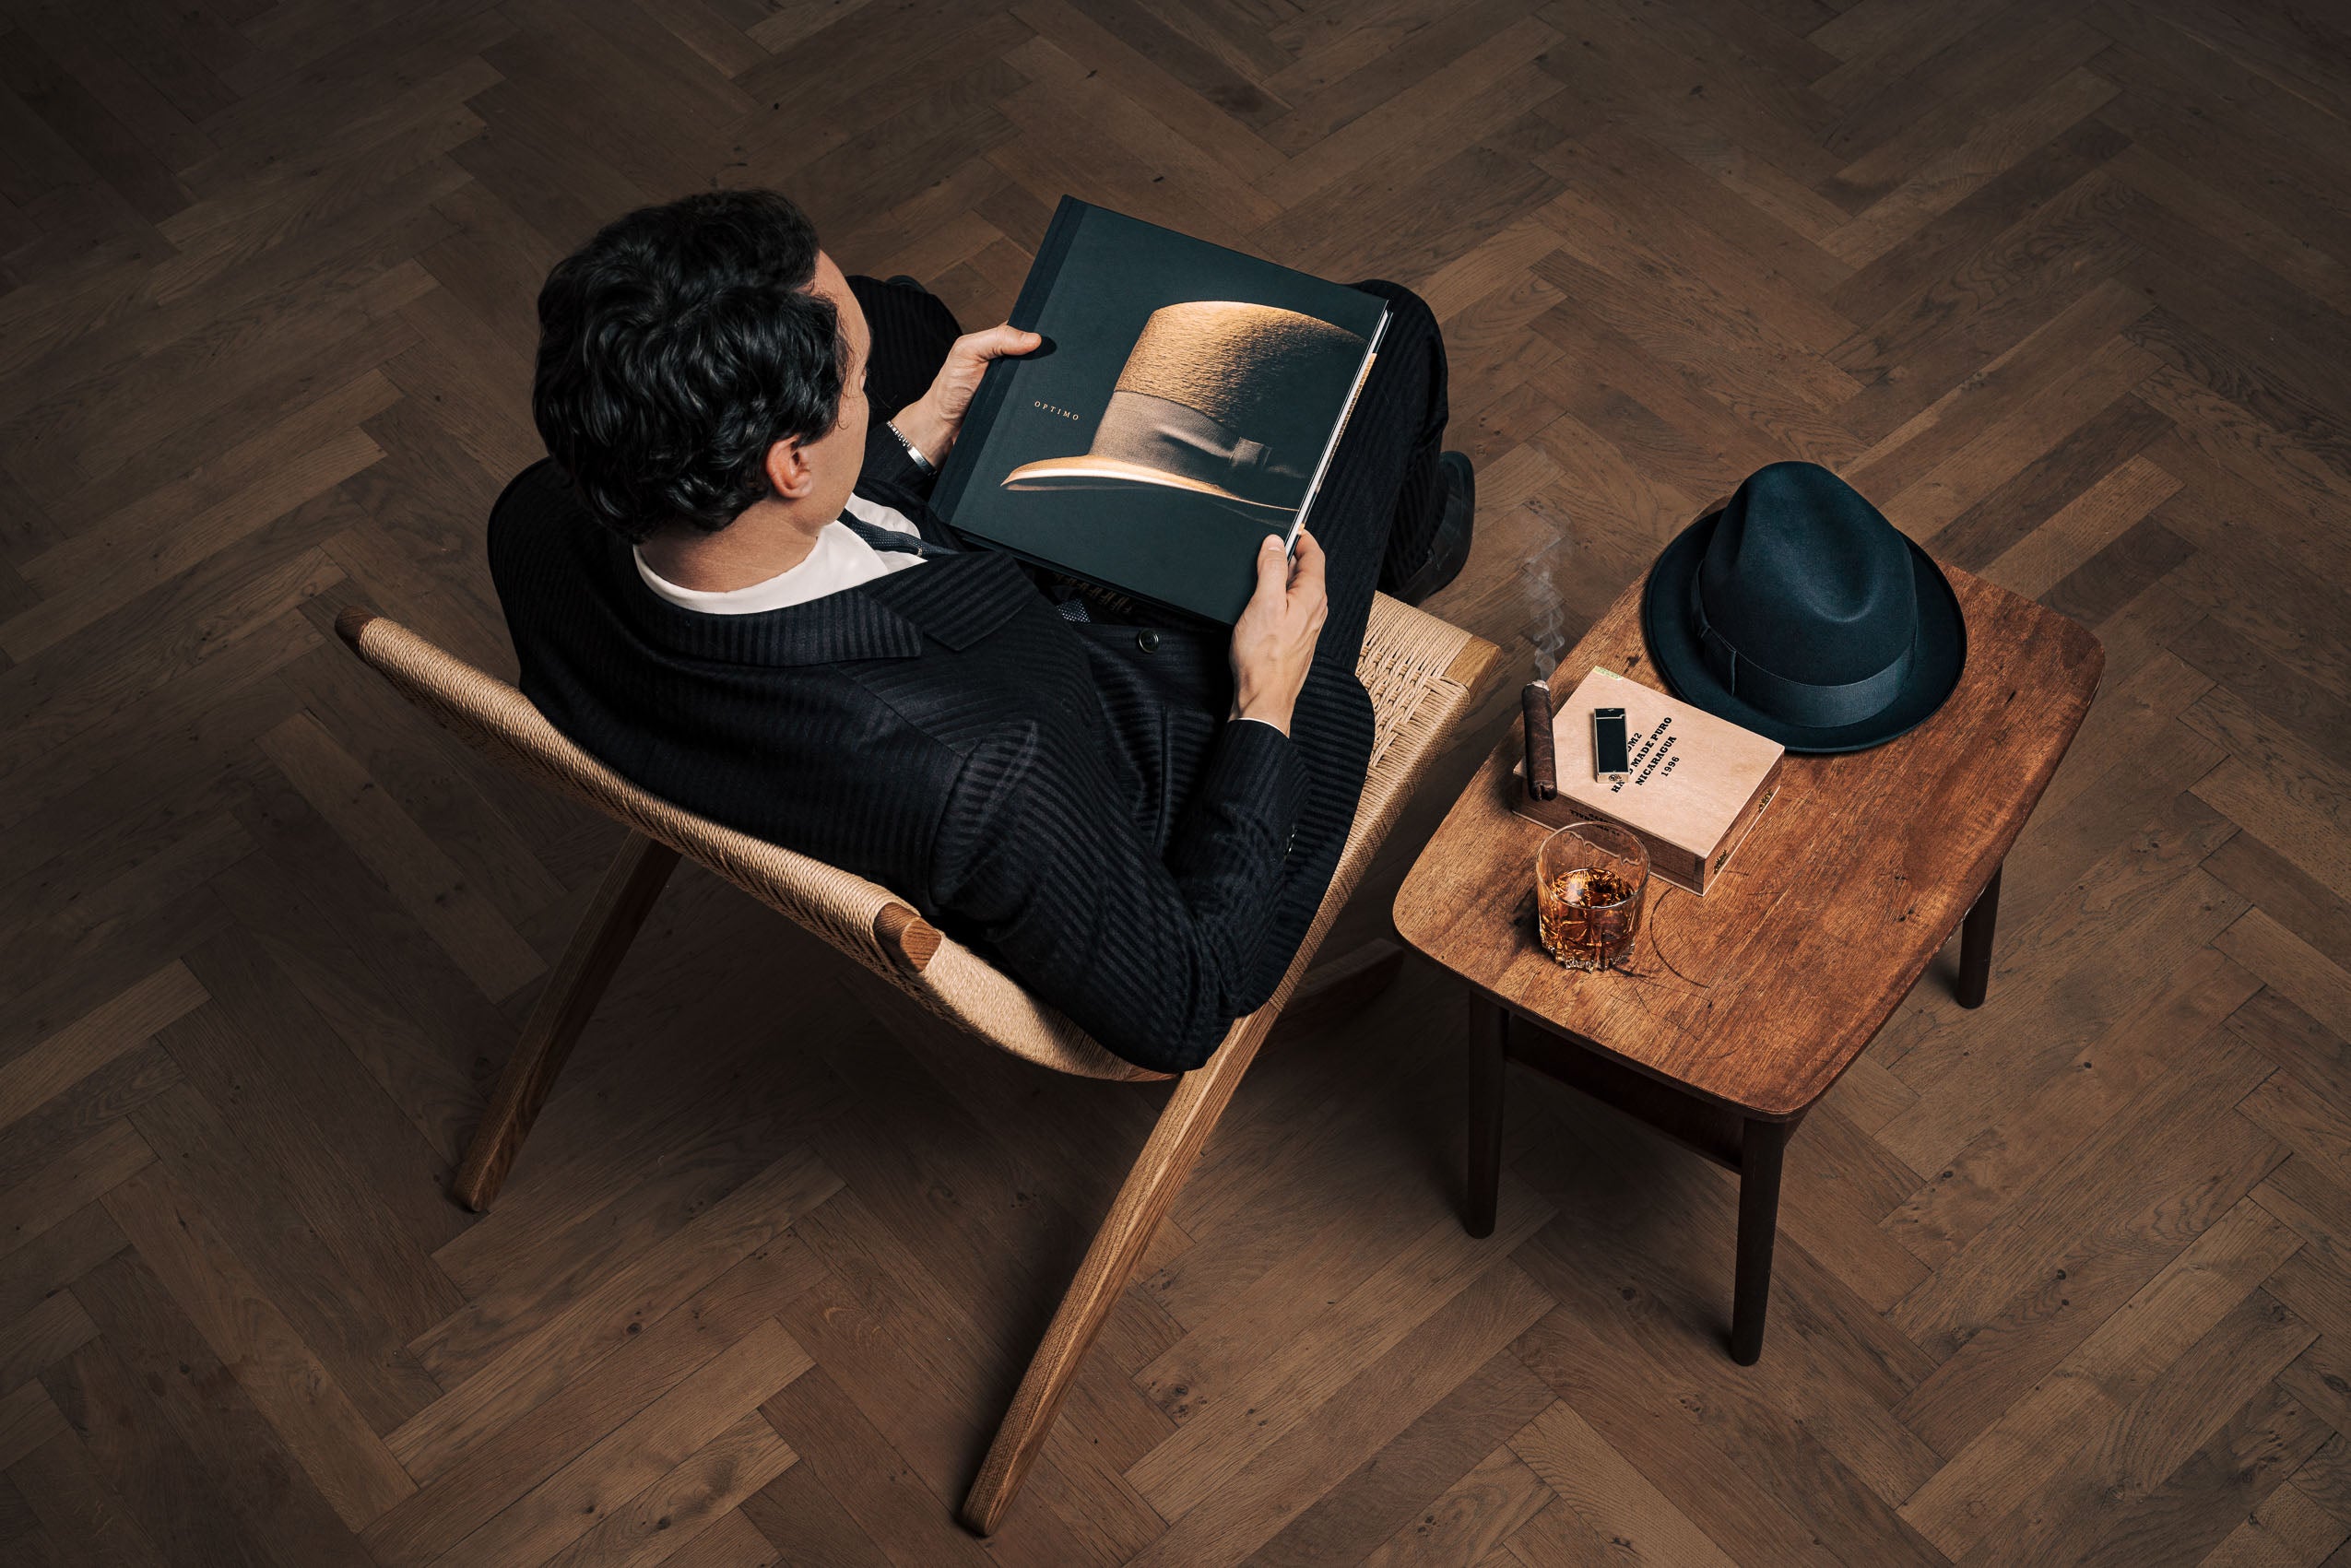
(838, 560)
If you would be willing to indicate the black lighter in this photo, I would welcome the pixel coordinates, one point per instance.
(1610, 755)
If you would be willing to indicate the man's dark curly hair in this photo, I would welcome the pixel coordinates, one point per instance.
(675, 349)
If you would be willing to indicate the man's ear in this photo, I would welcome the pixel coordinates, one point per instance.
(788, 472)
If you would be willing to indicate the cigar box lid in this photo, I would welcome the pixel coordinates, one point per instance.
(1693, 773)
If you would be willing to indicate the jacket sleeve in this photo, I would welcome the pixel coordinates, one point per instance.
(886, 460)
(1150, 956)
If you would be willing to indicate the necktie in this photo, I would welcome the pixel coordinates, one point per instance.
(883, 538)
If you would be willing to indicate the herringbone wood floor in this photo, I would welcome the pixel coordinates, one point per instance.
(2064, 286)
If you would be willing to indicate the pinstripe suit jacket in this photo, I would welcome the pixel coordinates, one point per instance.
(1066, 797)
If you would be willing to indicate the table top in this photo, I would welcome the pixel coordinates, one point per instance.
(1758, 995)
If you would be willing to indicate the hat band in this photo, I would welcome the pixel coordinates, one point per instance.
(1158, 432)
(1796, 701)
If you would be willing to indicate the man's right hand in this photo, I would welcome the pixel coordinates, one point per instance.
(1273, 643)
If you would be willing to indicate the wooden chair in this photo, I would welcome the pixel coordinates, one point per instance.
(1421, 675)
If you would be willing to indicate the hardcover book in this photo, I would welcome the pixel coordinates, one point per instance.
(1185, 404)
(1697, 783)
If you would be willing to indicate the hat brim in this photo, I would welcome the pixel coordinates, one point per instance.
(1088, 472)
(1940, 653)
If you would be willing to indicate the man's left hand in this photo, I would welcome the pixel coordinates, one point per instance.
(933, 421)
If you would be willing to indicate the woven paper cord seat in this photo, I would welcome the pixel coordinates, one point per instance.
(1421, 675)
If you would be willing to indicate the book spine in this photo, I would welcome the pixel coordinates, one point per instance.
(997, 384)
(1314, 485)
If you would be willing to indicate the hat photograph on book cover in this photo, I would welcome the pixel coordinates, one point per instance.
(1207, 404)
(1799, 612)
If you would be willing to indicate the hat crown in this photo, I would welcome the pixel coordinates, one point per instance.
(1218, 397)
(1808, 580)
(1239, 363)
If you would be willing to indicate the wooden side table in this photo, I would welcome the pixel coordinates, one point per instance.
(1735, 1012)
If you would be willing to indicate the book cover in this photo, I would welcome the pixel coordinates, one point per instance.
(1696, 786)
(1185, 404)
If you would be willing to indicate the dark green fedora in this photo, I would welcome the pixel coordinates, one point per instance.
(1799, 612)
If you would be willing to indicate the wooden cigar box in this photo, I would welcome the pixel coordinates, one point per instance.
(1697, 786)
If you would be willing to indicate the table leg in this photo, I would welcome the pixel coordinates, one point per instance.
(1975, 944)
(1762, 1148)
(1489, 1041)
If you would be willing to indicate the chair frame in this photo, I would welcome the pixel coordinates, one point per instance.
(625, 897)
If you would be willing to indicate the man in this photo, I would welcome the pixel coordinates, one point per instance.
(726, 583)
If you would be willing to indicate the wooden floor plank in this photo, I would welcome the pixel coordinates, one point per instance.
(65, 1058)
(303, 1272)
(2149, 893)
(1232, 1425)
(599, 1485)
(349, 1464)
(556, 1346)
(80, 1520)
(1264, 1496)
(2001, 1467)
(1978, 1180)
(664, 1521)
(1470, 1521)
(1660, 1439)
(251, 1457)
(532, 1446)
(884, 1505)
(1607, 1496)
(1402, 1487)
(2184, 1514)
(1806, 1441)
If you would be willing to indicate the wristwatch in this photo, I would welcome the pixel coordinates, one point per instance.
(925, 464)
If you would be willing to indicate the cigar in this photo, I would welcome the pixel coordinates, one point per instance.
(1542, 768)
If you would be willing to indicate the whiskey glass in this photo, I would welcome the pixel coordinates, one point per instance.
(1590, 878)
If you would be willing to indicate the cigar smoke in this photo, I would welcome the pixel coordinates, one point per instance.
(1546, 611)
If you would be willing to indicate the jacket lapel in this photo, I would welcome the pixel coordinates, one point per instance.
(956, 599)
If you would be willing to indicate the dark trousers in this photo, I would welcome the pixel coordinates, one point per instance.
(1376, 514)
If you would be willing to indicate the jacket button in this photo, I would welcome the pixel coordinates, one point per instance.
(1147, 640)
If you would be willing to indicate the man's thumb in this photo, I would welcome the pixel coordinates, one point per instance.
(1273, 564)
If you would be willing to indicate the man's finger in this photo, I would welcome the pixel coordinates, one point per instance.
(999, 341)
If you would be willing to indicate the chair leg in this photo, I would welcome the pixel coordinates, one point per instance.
(622, 901)
(1142, 1202)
